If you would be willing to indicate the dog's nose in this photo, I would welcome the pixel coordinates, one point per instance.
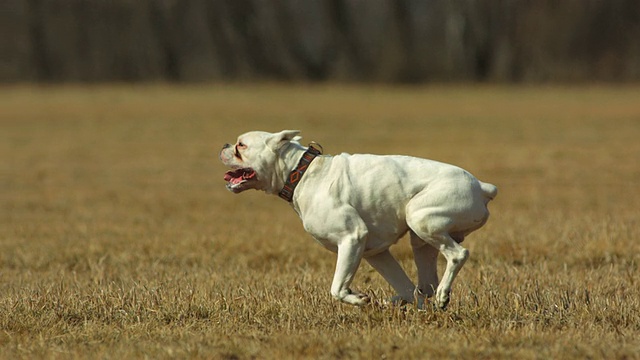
(225, 146)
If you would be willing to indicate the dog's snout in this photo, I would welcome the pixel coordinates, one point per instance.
(226, 146)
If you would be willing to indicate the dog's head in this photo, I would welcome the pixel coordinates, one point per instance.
(260, 160)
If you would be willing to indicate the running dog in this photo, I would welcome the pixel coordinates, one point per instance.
(359, 205)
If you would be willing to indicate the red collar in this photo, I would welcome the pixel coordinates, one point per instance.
(296, 174)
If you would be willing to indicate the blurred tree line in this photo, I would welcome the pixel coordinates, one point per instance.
(343, 40)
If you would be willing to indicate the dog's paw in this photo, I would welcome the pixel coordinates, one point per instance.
(357, 299)
(442, 299)
(421, 300)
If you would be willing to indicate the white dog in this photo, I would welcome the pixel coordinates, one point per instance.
(360, 205)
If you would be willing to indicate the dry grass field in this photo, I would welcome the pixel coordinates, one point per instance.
(119, 240)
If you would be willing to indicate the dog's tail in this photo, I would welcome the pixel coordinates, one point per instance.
(490, 191)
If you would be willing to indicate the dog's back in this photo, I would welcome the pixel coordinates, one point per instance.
(379, 187)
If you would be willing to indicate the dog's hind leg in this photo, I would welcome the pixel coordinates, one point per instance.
(391, 271)
(429, 224)
(426, 259)
(455, 255)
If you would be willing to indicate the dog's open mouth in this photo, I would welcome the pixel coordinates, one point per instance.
(236, 177)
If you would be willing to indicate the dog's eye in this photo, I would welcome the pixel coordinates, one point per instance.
(237, 148)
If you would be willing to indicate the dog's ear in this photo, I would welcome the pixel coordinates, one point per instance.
(275, 141)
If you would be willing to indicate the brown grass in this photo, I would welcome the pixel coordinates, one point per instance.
(118, 239)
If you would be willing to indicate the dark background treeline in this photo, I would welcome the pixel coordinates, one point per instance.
(343, 40)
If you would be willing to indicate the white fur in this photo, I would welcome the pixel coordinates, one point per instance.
(360, 205)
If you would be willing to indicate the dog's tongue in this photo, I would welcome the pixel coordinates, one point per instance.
(237, 176)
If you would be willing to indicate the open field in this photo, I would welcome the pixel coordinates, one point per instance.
(118, 239)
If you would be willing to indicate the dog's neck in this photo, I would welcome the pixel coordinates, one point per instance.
(295, 176)
(290, 155)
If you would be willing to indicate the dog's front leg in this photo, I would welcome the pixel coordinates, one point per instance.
(349, 256)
